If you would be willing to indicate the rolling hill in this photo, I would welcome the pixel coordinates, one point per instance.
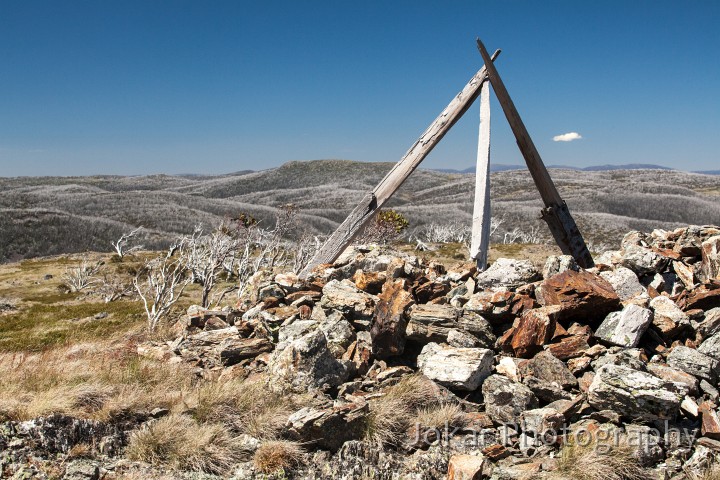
(53, 215)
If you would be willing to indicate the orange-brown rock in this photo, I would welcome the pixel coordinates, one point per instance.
(535, 329)
(569, 347)
(710, 421)
(580, 295)
(304, 311)
(310, 294)
(477, 421)
(466, 467)
(425, 290)
(704, 298)
(389, 320)
(499, 306)
(371, 282)
(495, 452)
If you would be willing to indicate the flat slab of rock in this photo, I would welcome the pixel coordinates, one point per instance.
(580, 295)
(456, 368)
(233, 350)
(498, 306)
(694, 362)
(634, 394)
(625, 328)
(508, 273)
(672, 374)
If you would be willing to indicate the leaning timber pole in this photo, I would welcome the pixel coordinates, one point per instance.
(556, 213)
(369, 205)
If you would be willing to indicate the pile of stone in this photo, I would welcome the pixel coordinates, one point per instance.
(631, 345)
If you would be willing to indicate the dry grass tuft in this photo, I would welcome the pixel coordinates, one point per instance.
(414, 399)
(277, 456)
(439, 416)
(588, 459)
(180, 443)
(86, 381)
(245, 406)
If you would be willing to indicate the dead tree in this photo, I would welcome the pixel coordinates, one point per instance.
(121, 245)
(160, 285)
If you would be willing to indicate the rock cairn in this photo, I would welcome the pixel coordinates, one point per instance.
(529, 357)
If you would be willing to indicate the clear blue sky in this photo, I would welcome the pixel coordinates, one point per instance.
(125, 87)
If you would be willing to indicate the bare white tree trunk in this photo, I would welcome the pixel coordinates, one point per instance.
(481, 212)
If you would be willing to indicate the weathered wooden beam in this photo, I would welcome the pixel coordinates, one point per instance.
(481, 211)
(343, 236)
(556, 213)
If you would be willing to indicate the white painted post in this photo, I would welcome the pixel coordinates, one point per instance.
(481, 211)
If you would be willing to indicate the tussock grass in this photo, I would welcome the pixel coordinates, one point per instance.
(440, 415)
(414, 399)
(588, 459)
(277, 456)
(179, 442)
(245, 406)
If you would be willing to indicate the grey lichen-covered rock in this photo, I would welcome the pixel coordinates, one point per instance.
(456, 368)
(634, 394)
(710, 324)
(479, 327)
(694, 362)
(509, 273)
(295, 330)
(557, 264)
(711, 258)
(711, 346)
(625, 282)
(625, 328)
(460, 339)
(505, 400)
(306, 363)
(637, 255)
(541, 421)
(329, 428)
(347, 298)
(544, 366)
(82, 470)
(338, 331)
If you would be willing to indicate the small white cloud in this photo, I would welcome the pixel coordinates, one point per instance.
(567, 137)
